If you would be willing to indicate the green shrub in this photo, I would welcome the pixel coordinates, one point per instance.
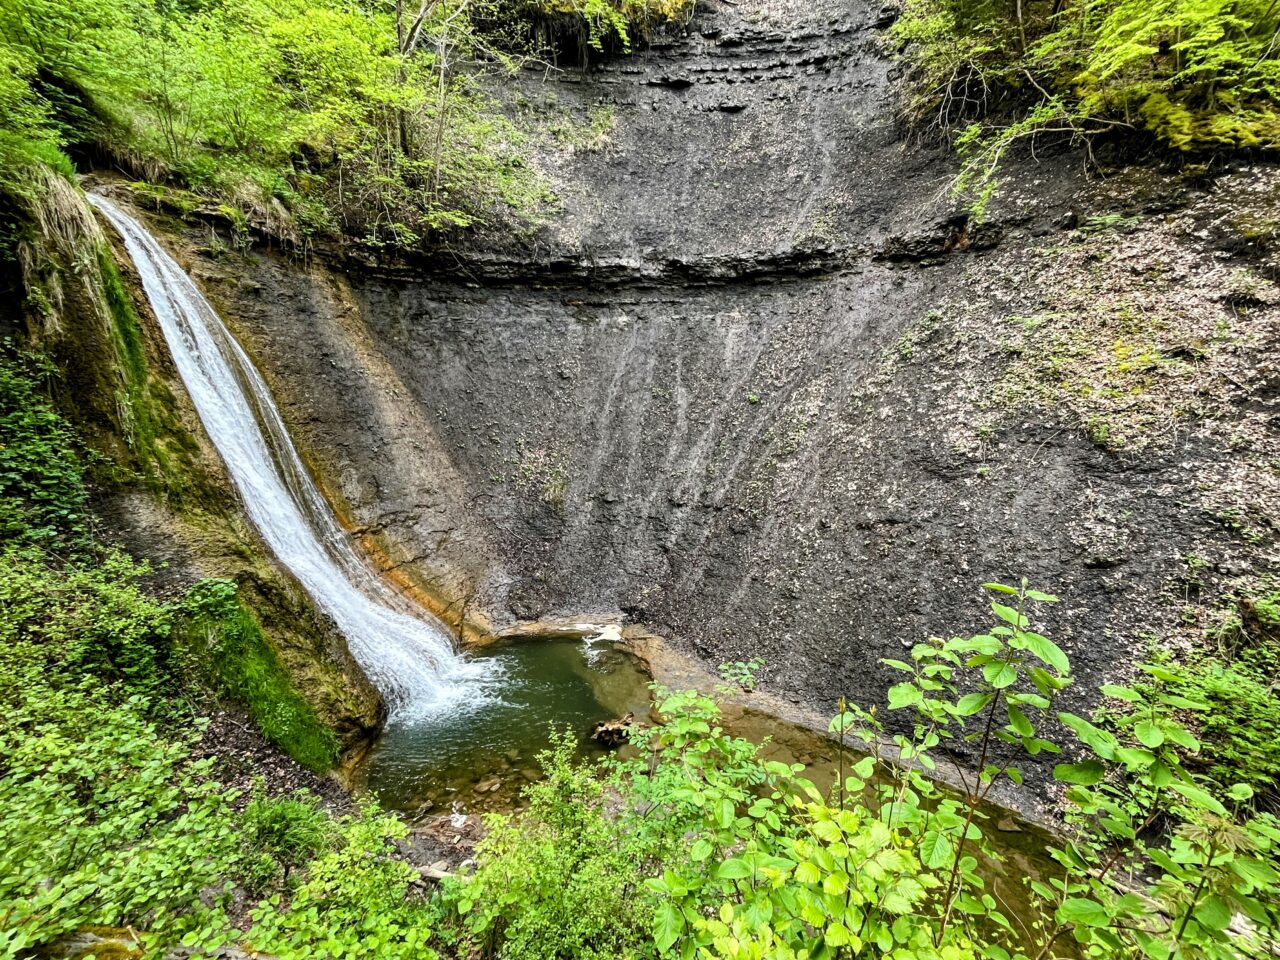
(42, 490)
(103, 818)
(696, 847)
(561, 882)
(1194, 74)
(1238, 688)
(89, 618)
(1239, 725)
(355, 902)
(281, 834)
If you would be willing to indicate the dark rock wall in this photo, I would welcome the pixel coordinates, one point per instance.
(736, 387)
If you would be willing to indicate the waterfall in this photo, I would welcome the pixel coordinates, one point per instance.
(407, 653)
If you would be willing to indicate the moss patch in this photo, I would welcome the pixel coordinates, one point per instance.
(223, 644)
(166, 456)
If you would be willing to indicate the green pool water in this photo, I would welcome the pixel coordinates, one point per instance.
(480, 756)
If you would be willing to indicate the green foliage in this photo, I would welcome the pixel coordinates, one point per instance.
(559, 882)
(1238, 724)
(280, 834)
(1196, 74)
(1236, 688)
(743, 858)
(42, 492)
(620, 20)
(89, 618)
(355, 902)
(352, 118)
(224, 647)
(102, 818)
(88, 613)
(742, 673)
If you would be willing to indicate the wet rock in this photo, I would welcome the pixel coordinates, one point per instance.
(612, 734)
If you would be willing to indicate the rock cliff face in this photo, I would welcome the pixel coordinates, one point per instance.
(755, 384)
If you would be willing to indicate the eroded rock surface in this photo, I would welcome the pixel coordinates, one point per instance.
(747, 385)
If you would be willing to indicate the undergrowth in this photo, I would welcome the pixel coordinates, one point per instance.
(1193, 75)
(42, 492)
(1239, 684)
(83, 606)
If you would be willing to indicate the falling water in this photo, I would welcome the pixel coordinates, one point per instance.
(407, 653)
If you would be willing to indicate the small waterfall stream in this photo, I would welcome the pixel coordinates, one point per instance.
(407, 653)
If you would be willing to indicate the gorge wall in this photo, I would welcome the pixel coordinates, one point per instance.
(755, 384)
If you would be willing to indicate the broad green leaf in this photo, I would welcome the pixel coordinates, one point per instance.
(1180, 735)
(836, 934)
(1085, 774)
(835, 884)
(972, 703)
(1080, 910)
(1240, 791)
(734, 868)
(935, 850)
(1009, 615)
(1044, 649)
(807, 872)
(1149, 733)
(668, 924)
(1121, 693)
(1213, 913)
(1000, 674)
(904, 695)
(1101, 742)
(1018, 720)
(1199, 797)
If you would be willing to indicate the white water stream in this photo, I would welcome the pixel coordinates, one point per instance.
(407, 653)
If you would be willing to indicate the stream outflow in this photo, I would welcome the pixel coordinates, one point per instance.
(407, 653)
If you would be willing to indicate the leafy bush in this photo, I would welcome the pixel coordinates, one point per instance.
(42, 491)
(1238, 725)
(559, 883)
(1238, 691)
(87, 612)
(1194, 74)
(90, 619)
(281, 834)
(697, 846)
(355, 902)
(103, 819)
